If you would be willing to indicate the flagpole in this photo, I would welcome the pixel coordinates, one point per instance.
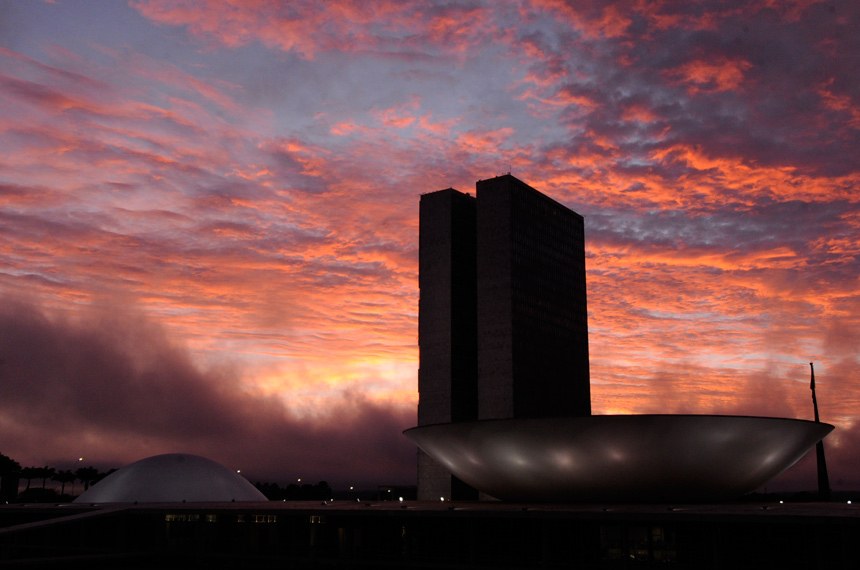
(823, 479)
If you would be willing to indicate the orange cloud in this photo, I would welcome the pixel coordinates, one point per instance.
(485, 141)
(307, 29)
(345, 128)
(268, 224)
(841, 103)
(399, 116)
(440, 128)
(703, 76)
(594, 21)
(639, 113)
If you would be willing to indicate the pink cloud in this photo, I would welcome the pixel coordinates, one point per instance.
(399, 116)
(112, 382)
(255, 193)
(640, 113)
(592, 18)
(308, 29)
(440, 128)
(841, 103)
(711, 76)
(345, 128)
(485, 141)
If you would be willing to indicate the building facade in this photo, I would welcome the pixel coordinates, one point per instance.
(502, 315)
(532, 322)
(447, 327)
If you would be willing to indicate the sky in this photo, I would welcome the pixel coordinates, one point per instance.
(209, 214)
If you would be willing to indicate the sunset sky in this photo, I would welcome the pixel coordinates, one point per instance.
(209, 214)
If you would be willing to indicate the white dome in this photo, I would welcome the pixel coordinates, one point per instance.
(172, 478)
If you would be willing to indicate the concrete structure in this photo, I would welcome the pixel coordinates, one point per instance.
(504, 396)
(172, 478)
(624, 458)
(502, 317)
(766, 534)
(532, 328)
(447, 327)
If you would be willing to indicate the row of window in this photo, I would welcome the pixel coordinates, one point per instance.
(212, 518)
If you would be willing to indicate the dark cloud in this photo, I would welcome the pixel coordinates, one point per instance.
(771, 87)
(843, 464)
(34, 93)
(114, 378)
(794, 224)
(768, 392)
(257, 194)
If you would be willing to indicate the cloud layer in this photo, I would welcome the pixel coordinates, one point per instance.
(246, 175)
(111, 382)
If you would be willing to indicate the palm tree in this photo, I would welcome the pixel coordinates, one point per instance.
(29, 473)
(87, 475)
(45, 473)
(62, 477)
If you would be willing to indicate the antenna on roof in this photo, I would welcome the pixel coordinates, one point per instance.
(823, 479)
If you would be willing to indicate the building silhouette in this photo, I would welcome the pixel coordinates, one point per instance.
(502, 316)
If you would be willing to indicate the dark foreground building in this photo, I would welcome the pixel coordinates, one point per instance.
(440, 535)
(447, 327)
(502, 316)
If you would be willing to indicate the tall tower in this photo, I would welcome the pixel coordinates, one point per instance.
(532, 319)
(502, 327)
(447, 328)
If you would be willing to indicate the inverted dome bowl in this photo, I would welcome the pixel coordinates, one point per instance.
(640, 458)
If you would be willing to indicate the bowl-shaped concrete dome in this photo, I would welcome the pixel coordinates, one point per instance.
(638, 458)
(169, 478)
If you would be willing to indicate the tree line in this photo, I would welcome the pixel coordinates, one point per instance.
(12, 474)
(36, 490)
(294, 492)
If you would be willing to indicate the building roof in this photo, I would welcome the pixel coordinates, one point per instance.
(648, 458)
(173, 477)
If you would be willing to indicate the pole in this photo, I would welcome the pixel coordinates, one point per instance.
(823, 479)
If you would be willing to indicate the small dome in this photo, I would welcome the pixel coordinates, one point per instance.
(172, 478)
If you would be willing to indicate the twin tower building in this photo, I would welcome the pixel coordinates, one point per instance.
(502, 328)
